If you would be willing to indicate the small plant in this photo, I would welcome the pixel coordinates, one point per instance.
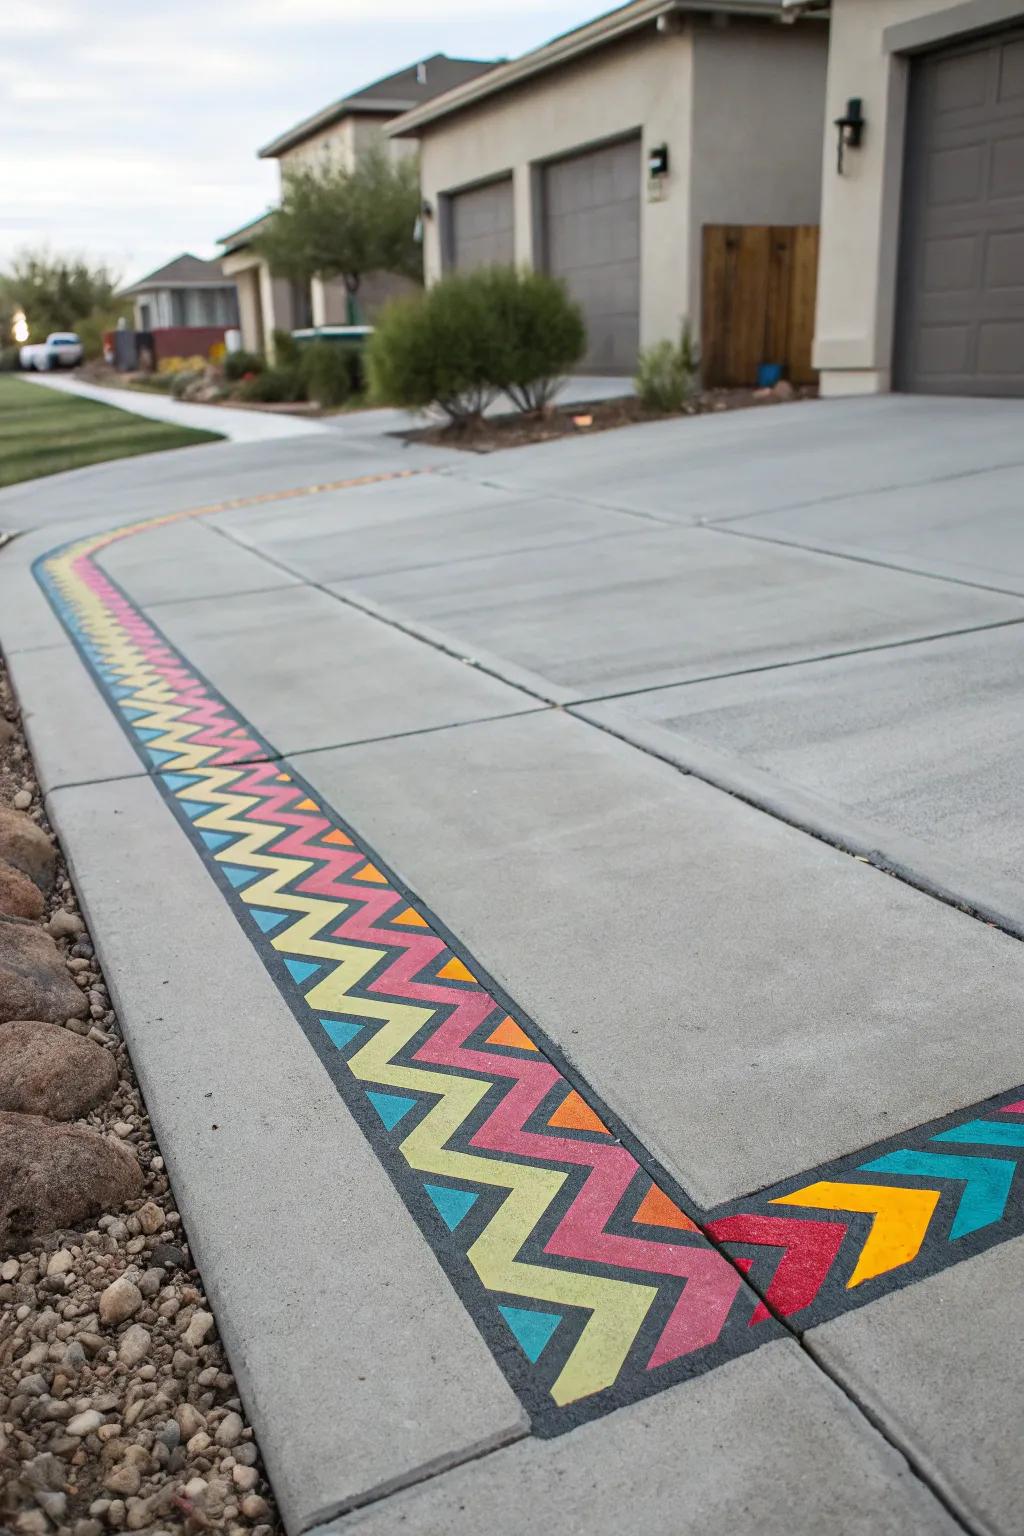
(667, 374)
(540, 334)
(273, 386)
(238, 364)
(285, 348)
(9, 359)
(327, 371)
(185, 377)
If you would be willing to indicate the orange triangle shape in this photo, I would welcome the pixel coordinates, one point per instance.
(455, 971)
(371, 873)
(509, 1033)
(307, 805)
(574, 1114)
(283, 778)
(657, 1210)
(338, 837)
(410, 919)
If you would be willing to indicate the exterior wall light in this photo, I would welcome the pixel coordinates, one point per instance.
(657, 161)
(851, 129)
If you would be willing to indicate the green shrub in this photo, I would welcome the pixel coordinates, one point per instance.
(181, 381)
(667, 374)
(327, 370)
(436, 347)
(9, 359)
(238, 364)
(287, 352)
(540, 334)
(274, 386)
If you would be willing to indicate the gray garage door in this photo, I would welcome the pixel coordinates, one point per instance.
(482, 227)
(960, 326)
(592, 235)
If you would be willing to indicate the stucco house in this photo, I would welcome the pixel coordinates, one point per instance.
(186, 305)
(606, 156)
(921, 281)
(337, 136)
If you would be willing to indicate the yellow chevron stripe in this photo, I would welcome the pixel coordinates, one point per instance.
(902, 1217)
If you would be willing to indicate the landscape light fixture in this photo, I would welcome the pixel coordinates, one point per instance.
(851, 129)
(657, 161)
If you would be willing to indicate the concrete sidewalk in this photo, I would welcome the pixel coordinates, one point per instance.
(442, 925)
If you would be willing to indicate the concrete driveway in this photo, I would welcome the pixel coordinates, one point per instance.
(774, 1091)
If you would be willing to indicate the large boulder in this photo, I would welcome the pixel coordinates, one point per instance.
(58, 1176)
(19, 896)
(34, 980)
(46, 1070)
(27, 847)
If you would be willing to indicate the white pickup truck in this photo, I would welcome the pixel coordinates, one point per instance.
(61, 349)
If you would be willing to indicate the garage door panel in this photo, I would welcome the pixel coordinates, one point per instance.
(483, 226)
(592, 231)
(960, 322)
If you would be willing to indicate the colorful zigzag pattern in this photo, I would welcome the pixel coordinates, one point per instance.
(593, 1278)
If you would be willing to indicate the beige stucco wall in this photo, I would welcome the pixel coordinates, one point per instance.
(343, 144)
(641, 85)
(758, 110)
(860, 213)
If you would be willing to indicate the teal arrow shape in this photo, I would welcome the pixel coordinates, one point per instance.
(987, 1182)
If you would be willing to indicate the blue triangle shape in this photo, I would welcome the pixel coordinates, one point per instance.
(238, 877)
(265, 921)
(341, 1031)
(132, 712)
(391, 1107)
(159, 757)
(148, 733)
(454, 1205)
(301, 970)
(195, 808)
(121, 692)
(216, 839)
(533, 1330)
(179, 780)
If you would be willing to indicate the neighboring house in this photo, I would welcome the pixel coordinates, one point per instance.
(922, 239)
(187, 305)
(335, 137)
(617, 156)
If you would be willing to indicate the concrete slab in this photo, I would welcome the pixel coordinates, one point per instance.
(967, 528)
(749, 1000)
(664, 606)
(925, 740)
(187, 560)
(359, 1367)
(937, 1365)
(737, 462)
(74, 737)
(765, 1443)
(428, 522)
(310, 672)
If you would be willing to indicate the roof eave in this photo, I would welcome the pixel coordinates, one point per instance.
(352, 106)
(562, 50)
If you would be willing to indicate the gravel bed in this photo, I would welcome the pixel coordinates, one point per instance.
(118, 1409)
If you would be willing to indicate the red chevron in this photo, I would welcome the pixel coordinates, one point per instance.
(809, 1251)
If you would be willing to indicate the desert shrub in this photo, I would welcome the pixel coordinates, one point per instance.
(538, 333)
(238, 364)
(287, 351)
(440, 346)
(667, 373)
(181, 380)
(327, 370)
(274, 386)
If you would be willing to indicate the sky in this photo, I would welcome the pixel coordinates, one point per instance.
(129, 128)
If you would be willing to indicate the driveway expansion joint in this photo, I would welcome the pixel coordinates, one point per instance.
(589, 1272)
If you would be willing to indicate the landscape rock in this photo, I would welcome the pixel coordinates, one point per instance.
(19, 896)
(135, 1345)
(46, 1070)
(64, 924)
(34, 981)
(121, 1300)
(22, 800)
(27, 847)
(57, 1176)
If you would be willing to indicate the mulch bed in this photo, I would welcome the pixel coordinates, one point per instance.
(490, 433)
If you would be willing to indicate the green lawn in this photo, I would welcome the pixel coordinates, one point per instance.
(43, 431)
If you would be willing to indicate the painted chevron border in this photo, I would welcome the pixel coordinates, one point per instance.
(592, 1276)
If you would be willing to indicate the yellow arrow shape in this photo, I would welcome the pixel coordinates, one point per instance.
(897, 1232)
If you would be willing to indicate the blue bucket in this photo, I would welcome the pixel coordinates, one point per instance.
(768, 374)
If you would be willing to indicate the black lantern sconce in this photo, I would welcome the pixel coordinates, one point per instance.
(657, 161)
(851, 129)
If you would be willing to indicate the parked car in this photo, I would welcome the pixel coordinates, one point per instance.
(61, 349)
